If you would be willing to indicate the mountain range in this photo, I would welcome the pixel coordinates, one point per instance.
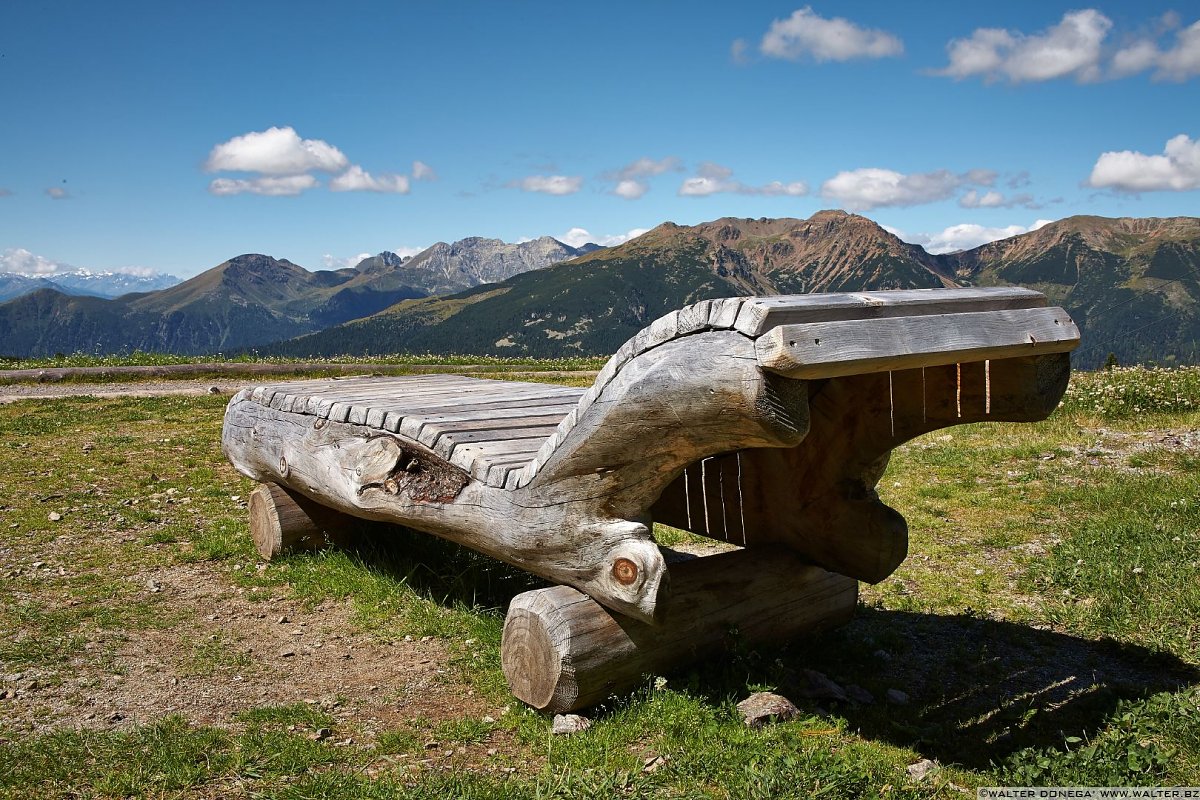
(1133, 285)
(84, 282)
(256, 299)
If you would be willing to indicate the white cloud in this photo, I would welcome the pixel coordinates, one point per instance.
(737, 51)
(646, 167)
(964, 236)
(713, 178)
(58, 193)
(409, 252)
(275, 151)
(284, 164)
(968, 235)
(1134, 58)
(975, 199)
(577, 237)
(871, 187)
(1177, 169)
(1183, 60)
(334, 262)
(141, 272)
(776, 188)
(1072, 48)
(807, 34)
(549, 184)
(1175, 63)
(357, 179)
(630, 178)
(270, 186)
(18, 259)
(630, 189)
(423, 172)
(993, 199)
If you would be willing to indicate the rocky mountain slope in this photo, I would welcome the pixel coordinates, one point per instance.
(254, 299)
(594, 303)
(14, 284)
(446, 268)
(1132, 284)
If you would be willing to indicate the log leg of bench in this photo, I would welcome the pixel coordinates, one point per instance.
(563, 651)
(283, 521)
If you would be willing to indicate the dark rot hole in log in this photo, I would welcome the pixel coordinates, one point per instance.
(423, 476)
(625, 571)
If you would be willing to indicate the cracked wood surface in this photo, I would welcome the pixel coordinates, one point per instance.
(700, 421)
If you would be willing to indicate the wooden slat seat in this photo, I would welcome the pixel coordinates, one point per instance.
(474, 423)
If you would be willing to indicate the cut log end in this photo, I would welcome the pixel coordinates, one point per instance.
(562, 651)
(283, 521)
(531, 659)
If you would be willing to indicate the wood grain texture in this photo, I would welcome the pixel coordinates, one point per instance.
(818, 498)
(587, 507)
(561, 651)
(854, 347)
(686, 424)
(757, 315)
(283, 521)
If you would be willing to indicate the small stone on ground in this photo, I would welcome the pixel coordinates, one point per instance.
(565, 724)
(858, 694)
(759, 708)
(919, 770)
(816, 685)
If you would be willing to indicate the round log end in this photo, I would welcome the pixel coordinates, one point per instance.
(264, 523)
(282, 521)
(531, 658)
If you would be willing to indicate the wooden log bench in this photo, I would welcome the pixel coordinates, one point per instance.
(763, 422)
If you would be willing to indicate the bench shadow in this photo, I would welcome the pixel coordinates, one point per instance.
(978, 689)
(436, 569)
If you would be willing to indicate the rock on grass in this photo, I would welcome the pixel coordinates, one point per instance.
(761, 707)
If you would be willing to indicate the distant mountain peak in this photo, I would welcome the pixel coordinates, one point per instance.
(94, 283)
(383, 259)
(447, 267)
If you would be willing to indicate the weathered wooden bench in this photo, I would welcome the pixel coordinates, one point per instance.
(764, 422)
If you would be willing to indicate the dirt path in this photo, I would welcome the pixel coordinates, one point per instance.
(12, 392)
(46, 391)
(228, 654)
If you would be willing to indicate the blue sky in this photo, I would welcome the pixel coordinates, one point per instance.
(174, 136)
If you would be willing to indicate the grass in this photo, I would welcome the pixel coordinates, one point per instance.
(1044, 625)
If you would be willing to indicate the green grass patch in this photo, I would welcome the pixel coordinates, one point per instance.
(1044, 625)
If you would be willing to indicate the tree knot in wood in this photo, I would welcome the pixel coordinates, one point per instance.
(625, 571)
(394, 467)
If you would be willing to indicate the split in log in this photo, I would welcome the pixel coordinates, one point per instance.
(562, 651)
(283, 521)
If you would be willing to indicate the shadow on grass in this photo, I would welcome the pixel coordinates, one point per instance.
(438, 570)
(979, 689)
